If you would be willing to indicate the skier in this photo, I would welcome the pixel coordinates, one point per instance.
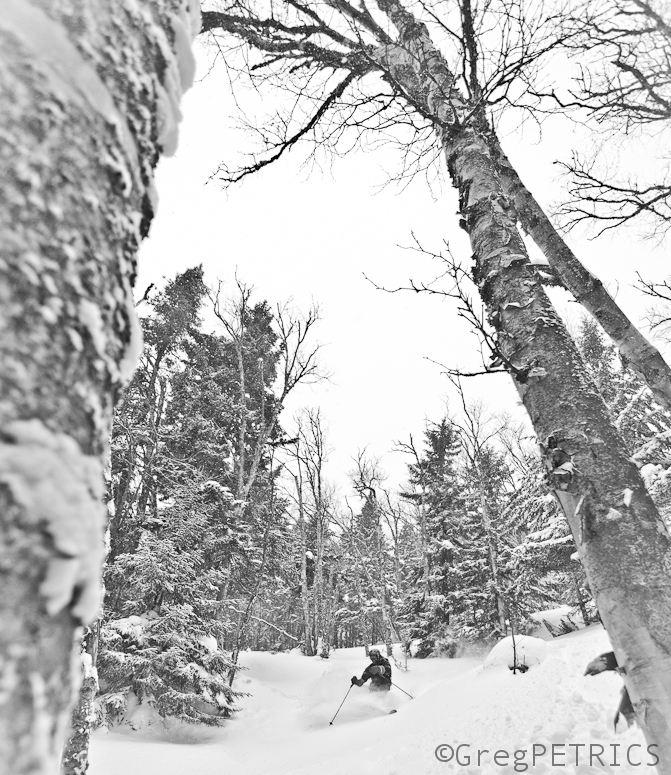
(379, 672)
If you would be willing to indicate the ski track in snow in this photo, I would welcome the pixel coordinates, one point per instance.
(283, 727)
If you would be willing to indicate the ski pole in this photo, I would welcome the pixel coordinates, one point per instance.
(403, 690)
(341, 704)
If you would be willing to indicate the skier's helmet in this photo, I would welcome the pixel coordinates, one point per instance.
(374, 654)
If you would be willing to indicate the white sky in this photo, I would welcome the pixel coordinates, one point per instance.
(312, 237)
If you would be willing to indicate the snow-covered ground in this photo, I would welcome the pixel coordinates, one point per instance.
(283, 727)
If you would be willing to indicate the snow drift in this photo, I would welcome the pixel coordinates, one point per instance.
(283, 728)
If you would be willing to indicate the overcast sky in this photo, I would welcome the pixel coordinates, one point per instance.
(311, 236)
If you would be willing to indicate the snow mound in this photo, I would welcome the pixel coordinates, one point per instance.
(529, 651)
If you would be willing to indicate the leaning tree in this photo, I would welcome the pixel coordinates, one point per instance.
(432, 80)
(90, 92)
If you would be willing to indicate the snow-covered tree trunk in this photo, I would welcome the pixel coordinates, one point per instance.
(318, 586)
(305, 590)
(579, 598)
(89, 93)
(624, 545)
(76, 752)
(493, 555)
(75, 760)
(148, 490)
(382, 587)
(424, 547)
(328, 615)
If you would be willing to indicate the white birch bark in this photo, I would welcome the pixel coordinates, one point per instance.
(623, 544)
(89, 92)
(586, 288)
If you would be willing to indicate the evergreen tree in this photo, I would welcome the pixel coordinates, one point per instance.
(438, 492)
(137, 431)
(480, 596)
(161, 647)
(540, 566)
(162, 620)
(200, 529)
(635, 412)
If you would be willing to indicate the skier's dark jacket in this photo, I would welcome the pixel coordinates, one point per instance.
(379, 683)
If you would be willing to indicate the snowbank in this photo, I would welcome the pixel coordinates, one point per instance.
(556, 618)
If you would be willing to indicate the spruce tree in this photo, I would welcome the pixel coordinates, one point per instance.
(437, 490)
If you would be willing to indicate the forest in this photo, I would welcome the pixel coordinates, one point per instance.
(171, 521)
(225, 529)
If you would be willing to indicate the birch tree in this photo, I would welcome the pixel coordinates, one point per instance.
(343, 81)
(90, 94)
(325, 52)
(314, 500)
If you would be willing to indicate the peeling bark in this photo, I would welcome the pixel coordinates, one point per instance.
(587, 289)
(623, 543)
(89, 90)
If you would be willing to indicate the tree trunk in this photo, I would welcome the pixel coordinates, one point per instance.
(587, 289)
(148, 486)
(89, 93)
(242, 433)
(623, 543)
(328, 618)
(493, 558)
(424, 546)
(581, 602)
(382, 587)
(247, 616)
(360, 626)
(318, 585)
(305, 591)
(75, 759)
(624, 546)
